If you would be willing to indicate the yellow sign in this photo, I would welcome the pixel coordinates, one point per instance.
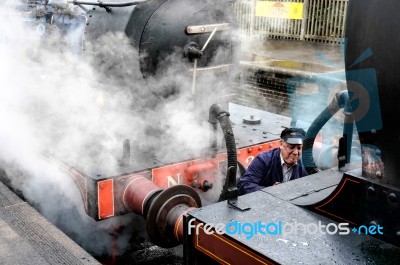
(289, 10)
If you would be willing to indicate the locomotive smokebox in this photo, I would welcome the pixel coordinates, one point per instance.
(198, 32)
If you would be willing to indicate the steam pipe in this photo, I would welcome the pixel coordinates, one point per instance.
(126, 153)
(216, 113)
(340, 100)
(109, 4)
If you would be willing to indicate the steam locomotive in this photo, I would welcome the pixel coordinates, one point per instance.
(165, 59)
(169, 192)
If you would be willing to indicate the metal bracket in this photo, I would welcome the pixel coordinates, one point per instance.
(233, 195)
(342, 152)
(206, 28)
(237, 205)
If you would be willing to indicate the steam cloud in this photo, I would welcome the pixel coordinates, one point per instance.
(54, 101)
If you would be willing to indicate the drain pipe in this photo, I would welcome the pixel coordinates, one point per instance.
(341, 100)
(229, 191)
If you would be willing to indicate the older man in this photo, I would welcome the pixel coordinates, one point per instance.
(277, 165)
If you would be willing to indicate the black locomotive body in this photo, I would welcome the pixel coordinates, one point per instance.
(188, 49)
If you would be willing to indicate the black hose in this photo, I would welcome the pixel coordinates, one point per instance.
(216, 113)
(339, 101)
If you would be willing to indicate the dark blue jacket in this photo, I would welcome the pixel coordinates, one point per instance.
(265, 170)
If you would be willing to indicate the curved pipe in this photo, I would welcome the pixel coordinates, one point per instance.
(216, 113)
(339, 101)
(107, 4)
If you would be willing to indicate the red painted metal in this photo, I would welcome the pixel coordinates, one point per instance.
(200, 170)
(247, 154)
(105, 198)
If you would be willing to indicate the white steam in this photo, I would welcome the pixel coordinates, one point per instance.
(53, 101)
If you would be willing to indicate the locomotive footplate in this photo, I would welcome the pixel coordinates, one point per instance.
(276, 226)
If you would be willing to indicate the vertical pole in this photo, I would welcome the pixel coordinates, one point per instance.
(305, 19)
(253, 7)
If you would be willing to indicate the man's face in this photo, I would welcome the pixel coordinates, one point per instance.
(290, 152)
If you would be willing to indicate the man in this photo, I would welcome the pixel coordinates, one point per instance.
(277, 165)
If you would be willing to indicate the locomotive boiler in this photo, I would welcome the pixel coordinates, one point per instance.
(196, 41)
